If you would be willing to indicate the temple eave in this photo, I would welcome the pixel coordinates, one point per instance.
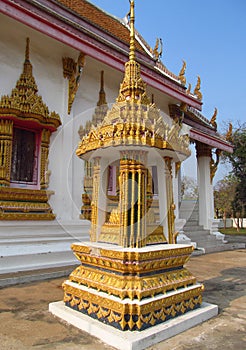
(53, 24)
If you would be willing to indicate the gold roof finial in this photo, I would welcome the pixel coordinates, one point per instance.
(132, 32)
(133, 87)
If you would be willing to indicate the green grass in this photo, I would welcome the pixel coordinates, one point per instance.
(233, 231)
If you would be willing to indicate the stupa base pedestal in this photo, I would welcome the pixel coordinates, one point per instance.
(124, 291)
(133, 340)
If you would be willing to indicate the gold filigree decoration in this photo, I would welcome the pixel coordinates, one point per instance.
(120, 275)
(214, 164)
(72, 71)
(24, 103)
(6, 135)
(197, 91)
(182, 77)
(24, 204)
(99, 112)
(133, 120)
(138, 317)
(213, 119)
(134, 125)
(23, 106)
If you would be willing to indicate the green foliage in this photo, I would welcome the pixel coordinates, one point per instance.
(238, 163)
(233, 231)
(224, 194)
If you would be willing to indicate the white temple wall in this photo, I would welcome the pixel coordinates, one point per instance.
(46, 54)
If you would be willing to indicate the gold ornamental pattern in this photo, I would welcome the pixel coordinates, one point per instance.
(135, 315)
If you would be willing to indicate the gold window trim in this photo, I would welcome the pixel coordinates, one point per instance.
(25, 108)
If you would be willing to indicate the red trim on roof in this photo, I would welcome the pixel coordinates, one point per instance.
(211, 141)
(42, 20)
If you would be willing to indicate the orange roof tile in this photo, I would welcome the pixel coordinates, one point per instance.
(100, 18)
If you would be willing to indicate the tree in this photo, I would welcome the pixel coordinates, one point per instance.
(189, 189)
(224, 194)
(238, 163)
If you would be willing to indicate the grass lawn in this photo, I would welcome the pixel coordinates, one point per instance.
(233, 231)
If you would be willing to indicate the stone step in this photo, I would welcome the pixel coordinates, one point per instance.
(40, 240)
(28, 246)
(191, 229)
(27, 262)
(10, 279)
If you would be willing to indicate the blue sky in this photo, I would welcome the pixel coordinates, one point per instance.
(209, 35)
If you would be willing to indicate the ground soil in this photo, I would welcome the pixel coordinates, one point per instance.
(25, 322)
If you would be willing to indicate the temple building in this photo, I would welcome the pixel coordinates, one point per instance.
(62, 63)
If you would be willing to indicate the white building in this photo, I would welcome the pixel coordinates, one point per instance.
(70, 44)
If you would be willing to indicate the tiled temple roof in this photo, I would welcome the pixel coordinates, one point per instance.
(101, 19)
(114, 26)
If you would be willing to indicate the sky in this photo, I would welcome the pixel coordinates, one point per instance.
(210, 36)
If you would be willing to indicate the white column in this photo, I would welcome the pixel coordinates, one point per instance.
(205, 189)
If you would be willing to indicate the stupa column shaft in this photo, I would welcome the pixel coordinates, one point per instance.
(162, 194)
(98, 200)
(133, 195)
(170, 203)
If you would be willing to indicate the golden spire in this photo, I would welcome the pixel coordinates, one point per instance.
(132, 32)
(133, 88)
(27, 70)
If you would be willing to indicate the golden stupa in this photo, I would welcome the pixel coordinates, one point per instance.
(132, 273)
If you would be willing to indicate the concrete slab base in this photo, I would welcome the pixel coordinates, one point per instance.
(133, 340)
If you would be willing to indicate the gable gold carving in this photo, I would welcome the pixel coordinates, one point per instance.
(24, 102)
(72, 71)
